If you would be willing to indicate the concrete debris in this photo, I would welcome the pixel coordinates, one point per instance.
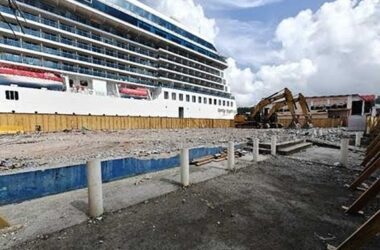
(140, 181)
(328, 238)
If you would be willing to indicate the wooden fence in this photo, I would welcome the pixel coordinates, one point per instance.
(13, 123)
(317, 122)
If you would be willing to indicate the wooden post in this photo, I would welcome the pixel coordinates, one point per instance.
(372, 143)
(366, 174)
(362, 235)
(372, 151)
(365, 197)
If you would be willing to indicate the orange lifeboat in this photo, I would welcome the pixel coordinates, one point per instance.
(30, 77)
(142, 93)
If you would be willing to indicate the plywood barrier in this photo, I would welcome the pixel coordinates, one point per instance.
(13, 123)
(317, 122)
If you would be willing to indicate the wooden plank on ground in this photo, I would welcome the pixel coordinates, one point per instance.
(371, 153)
(362, 235)
(366, 174)
(365, 198)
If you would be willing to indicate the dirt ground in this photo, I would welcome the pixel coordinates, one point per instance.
(54, 149)
(282, 203)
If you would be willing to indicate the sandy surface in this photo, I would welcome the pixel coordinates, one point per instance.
(278, 204)
(55, 149)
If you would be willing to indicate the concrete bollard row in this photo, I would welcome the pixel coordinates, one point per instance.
(231, 155)
(274, 145)
(255, 148)
(344, 151)
(185, 167)
(358, 138)
(95, 190)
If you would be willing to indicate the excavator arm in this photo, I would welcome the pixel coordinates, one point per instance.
(305, 110)
(285, 93)
(276, 107)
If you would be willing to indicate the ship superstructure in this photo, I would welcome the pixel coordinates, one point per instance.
(107, 57)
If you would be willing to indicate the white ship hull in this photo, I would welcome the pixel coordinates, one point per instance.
(59, 102)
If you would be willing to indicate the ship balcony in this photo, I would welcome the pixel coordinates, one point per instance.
(188, 68)
(188, 61)
(189, 78)
(185, 79)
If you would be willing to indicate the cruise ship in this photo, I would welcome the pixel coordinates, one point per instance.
(107, 57)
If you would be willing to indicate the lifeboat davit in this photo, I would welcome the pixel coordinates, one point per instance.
(134, 92)
(29, 77)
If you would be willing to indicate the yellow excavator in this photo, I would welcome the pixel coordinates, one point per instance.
(295, 120)
(258, 119)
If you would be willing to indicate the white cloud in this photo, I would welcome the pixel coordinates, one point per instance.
(190, 14)
(335, 50)
(239, 4)
(249, 87)
(249, 42)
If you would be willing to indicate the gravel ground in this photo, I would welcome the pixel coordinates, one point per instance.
(282, 203)
(55, 149)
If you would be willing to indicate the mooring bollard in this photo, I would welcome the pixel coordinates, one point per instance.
(231, 155)
(185, 168)
(95, 191)
(344, 151)
(274, 145)
(255, 148)
(358, 138)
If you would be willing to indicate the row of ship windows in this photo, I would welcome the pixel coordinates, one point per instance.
(204, 100)
(130, 19)
(79, 31)
(191, 64)
(85, 58)
(92, 47)
(86, 46)
(151, 17)
(99, 73)
(11, 95)
(73, 55)
(187, 79)
(191, 72)
(71, 68)
(93, 59)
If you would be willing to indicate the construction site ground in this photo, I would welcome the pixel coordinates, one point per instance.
(280, 203)
(28, 151)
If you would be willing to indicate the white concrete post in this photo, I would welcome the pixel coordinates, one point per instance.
(344, 151)
(231, 155)
(358, 138)
(274, 145)
(95, 191)
(320, 132)
(255, 147)
(315, 134)
(185, 168)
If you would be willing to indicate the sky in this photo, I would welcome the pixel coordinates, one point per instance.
(317, 47)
